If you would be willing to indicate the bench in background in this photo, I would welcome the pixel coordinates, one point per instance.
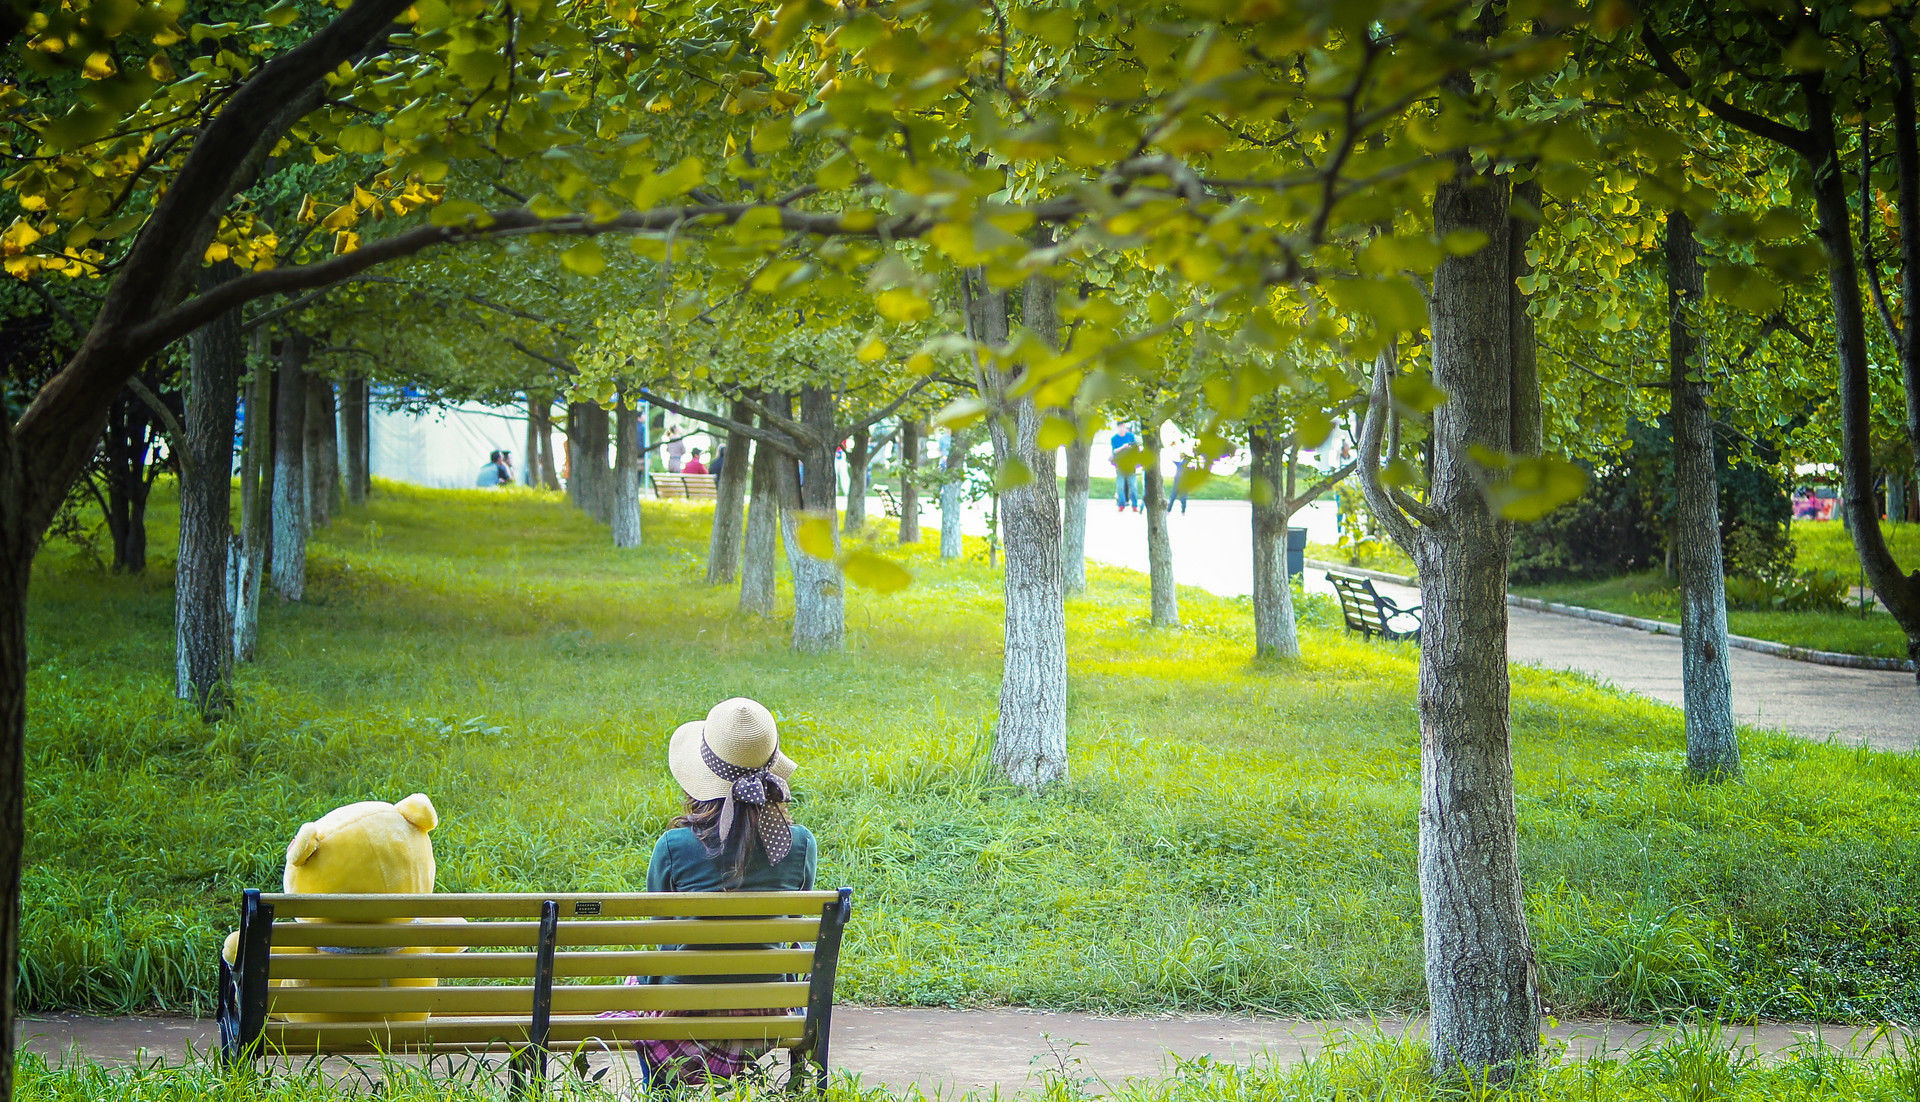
(1371, 614)
(548, 966)
(694, 487)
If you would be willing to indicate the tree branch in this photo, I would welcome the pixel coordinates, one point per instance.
(1752, 122)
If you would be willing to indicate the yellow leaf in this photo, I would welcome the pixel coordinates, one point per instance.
(218, 251)
(882, 575)
(161, 69)
(1056, 432)
(99, 66)
(306, 209)
(902, 304)
(873, 351)
(584, 258)
(345, 242)
(816, 537)
(17, 237)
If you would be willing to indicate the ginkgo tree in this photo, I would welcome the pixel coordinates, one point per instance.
(942, 122)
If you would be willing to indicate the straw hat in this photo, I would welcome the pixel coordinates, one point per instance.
(741, 733)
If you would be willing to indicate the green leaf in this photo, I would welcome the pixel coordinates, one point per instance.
(1535, 487)
(961, 412)
(882, 575)
(459, 212)
(361, 138)
(1057, 432)
(902, 304)
(584, 258)
(1416, 394)
(1012, 475)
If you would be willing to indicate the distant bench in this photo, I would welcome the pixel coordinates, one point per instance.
(350, 951)
(1371, 614)
(694, 487)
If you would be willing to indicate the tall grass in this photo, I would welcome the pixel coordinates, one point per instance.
(1236, 835)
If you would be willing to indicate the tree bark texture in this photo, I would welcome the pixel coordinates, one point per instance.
(540, 418)
(322, 462)
(819, 603)
(1275, 634)
(203, 629)
(1165, 603)
(1073, 530)
(1713, 742)
(626, 477)
(1030, 739)
(723, 548)
(256, 503)
(764, 507)
(290, 470)
(589, 482)
(858, 445)
(1898, 590)
(952, 545)
(356, 437)
(1479, 961)
(910, 448)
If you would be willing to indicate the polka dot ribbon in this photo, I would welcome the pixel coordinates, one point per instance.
(754, 803)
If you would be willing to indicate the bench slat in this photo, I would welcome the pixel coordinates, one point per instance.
(569, 1031)
(645, 962)
(527, 905)
(659, 931)
(568, 999)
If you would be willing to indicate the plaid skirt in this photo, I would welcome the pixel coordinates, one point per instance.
(693, 1062)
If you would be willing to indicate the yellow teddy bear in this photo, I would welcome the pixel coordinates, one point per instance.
(364, 848)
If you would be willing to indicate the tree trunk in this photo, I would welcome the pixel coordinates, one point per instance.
(1073, 536)
(540, 416)
(764, 507)
(290, 470)
(256, 502)
(626, 477)
(203, 630)
(1713, 742)
(323, 465)
(857, 447)
(1165, 602)
(590, 463)
(1899, 591)
(952, 546)
(356, 425)
(1275, 634)
(1030, 740)
(723, 549)
(1896, 497)
(1479, 962)
(819, 605)
(126, 452)
(910, 481)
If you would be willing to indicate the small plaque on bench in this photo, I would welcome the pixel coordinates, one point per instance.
(586, 907)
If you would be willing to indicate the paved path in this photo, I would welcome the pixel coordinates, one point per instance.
(951, 1051)
(1212, 550)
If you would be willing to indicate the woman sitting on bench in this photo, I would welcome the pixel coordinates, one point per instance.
(735, 835)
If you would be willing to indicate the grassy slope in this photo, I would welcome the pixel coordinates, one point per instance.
(1234, 837)
(1658, 598)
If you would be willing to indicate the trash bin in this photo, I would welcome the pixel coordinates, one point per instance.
(1296, 552)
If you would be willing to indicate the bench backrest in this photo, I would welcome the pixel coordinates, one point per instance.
(697, 487)
(538, 968)
(1359, 603)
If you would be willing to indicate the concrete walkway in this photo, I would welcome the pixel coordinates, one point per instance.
(945, 1051)
(1212, 550)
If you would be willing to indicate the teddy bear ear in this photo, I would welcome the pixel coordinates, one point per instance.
(418, 810)
(304, 843)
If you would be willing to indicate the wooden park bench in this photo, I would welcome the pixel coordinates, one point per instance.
(538, 971)
(1371, 614)
(693, 487)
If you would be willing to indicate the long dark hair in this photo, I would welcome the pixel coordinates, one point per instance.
(703, 818)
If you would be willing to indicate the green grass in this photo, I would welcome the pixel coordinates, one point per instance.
(1236, 836)
(1374, 553)
(1827, 545)
(1656, 597)
(1697, 1064)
